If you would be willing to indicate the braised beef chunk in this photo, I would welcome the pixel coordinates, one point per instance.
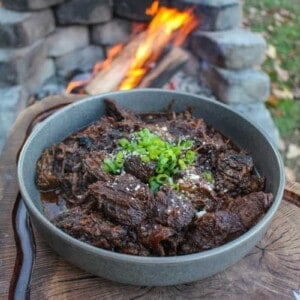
(215, 229)
(199, 191)
(117, 112)
(134, 248)
(60, 167)
(143, 171)
(47, 178)
(91, 228)
(234, 174)
(92, 166)
(178, 187)
(91, 137)
(161, 240)
(250, 207)
(125, 200)
(211, 230)
(154, 118)
(233, 167)
(172, 209)
(185, 124)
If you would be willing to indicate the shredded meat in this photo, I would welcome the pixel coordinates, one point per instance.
(91, 228)
(207, 203)
(160, 240)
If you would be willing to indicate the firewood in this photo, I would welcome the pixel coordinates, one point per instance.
(109, 79)
(165, 68)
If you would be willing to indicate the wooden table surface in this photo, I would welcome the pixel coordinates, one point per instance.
(30, 269)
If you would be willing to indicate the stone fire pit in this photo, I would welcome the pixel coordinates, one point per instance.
(43, 43)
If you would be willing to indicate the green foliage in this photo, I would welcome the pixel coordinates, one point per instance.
(287, 116)
(279, 22)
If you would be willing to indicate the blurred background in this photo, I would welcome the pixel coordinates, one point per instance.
(279, 22)
(79, 47)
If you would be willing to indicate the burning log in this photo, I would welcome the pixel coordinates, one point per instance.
(128, 68)
(108, 79)
(165, 68)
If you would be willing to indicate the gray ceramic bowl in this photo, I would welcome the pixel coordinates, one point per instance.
(149, 270)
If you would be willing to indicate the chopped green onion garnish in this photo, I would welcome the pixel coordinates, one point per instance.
(168, 157)
(208, 176)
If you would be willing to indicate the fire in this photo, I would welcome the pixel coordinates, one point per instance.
(152, 10)
(168, 26)
(101, 65)
(76, 84)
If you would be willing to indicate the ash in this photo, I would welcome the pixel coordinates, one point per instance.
(188, 83)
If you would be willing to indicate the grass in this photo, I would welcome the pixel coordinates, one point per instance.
(287, 117)
(279, 22)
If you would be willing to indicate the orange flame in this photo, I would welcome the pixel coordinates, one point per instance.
(76, 84)
(153, 9)
(111, 54)
(100, 65)
(168, 25)
(138, 27)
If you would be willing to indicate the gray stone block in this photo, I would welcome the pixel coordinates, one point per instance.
(25, 5)
(13, 98)
(135, 10)
(67, 39)
(233, 49)
(81, 59)
(52, 86)
(236, 86)
(22, 29)
(17, 65)
(12, 101)
(45, 70)
(112, 32)
(84, 12)
(214, 15)
(260, 115)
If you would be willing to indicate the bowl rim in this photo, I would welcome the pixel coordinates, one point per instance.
(161, 260)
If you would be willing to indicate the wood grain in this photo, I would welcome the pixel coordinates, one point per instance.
(10, 255)
(165, 68)
(270, 271)
(108, 79)
(292, 192)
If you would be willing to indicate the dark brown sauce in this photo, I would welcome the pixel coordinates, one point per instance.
(53, 204)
